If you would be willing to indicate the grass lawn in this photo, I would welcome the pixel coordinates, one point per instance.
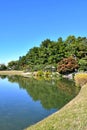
(72, 116)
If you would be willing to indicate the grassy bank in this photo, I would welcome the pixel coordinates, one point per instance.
(73, 116)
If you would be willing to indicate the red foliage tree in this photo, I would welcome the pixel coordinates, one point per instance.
(67, 65)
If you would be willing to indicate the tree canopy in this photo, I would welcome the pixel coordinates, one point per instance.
(52, 52)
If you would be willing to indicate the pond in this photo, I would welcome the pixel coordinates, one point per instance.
(25, 101)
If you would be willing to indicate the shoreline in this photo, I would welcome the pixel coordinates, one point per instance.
(72, 116)
(17, 72)
(11, 72)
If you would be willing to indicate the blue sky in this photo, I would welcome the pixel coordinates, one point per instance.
(25, 23)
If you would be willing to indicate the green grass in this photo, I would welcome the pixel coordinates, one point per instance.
(72, 116)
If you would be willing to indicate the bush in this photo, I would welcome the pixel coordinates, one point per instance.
(80, 79)
(47, 74)
(40, 73)
(83, 64)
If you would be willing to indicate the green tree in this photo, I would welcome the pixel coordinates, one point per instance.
(13, 65)
(52, 52)
(3, 67)
(83, 64)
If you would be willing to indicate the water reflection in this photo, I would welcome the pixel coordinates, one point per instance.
(25, 101)
(51, 94)
(3, 76)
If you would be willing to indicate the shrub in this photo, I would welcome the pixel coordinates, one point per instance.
(47, 74)
(80, 79)
(40, 73)
(83, 64)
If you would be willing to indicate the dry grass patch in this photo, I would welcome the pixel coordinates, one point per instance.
(11, 72)
(80, 79)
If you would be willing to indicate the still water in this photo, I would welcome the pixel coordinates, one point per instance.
(25, 101)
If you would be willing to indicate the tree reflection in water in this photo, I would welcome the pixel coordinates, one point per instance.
(51, 94)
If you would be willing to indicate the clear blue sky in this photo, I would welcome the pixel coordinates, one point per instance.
(25, 23)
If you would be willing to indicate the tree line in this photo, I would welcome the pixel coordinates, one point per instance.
(68, 55)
